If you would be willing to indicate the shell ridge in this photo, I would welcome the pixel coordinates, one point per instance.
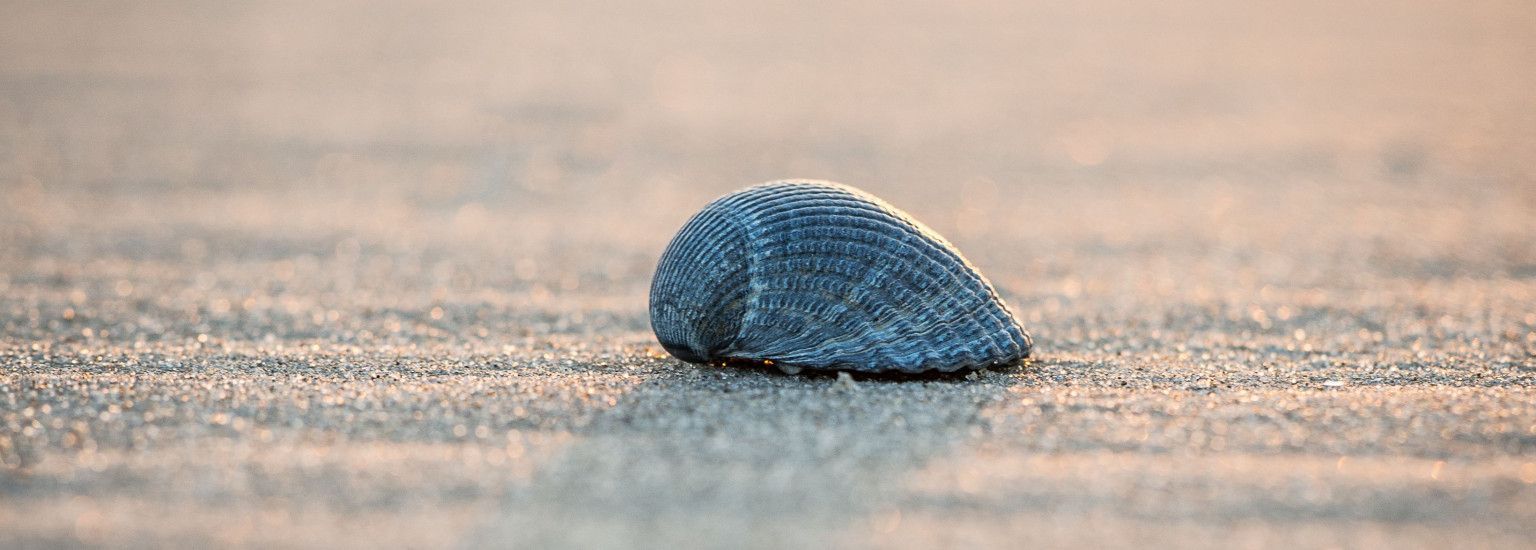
(765, 301)
(846, 316)
(948, 319)
(903, 286)
(925, 235)
(979, 296)
(900, 348)
(698, 243)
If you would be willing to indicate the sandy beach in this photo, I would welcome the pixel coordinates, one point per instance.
(356, 274)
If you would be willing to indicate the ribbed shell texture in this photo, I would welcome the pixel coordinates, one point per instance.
(821, 275)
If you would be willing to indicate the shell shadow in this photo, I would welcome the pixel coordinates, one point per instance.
(958, 376)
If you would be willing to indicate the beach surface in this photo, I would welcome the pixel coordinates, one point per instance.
(361, 275)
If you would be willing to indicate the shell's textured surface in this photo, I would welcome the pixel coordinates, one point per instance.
(820, 275)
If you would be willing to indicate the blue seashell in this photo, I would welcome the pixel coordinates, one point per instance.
(820, 275)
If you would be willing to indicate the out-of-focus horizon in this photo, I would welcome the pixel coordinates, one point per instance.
(351, 274)
(417, 116)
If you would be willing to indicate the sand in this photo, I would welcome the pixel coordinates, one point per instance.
(358, 275)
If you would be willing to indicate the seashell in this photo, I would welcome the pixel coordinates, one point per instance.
(819, 275)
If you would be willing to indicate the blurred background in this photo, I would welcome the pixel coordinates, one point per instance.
(566, 141)
(265, 221)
